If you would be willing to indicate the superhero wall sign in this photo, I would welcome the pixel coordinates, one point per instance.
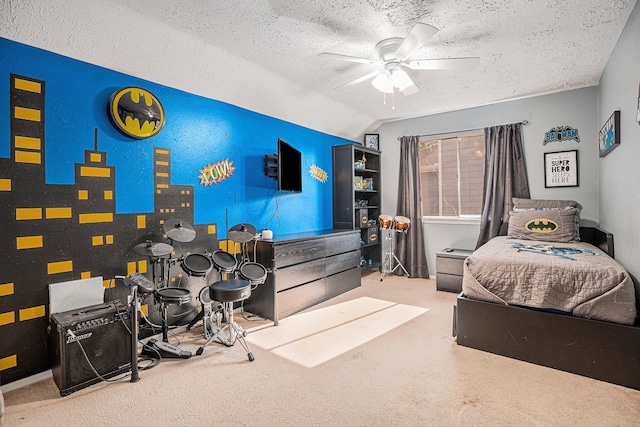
(136, 112)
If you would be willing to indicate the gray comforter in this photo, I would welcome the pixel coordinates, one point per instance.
(577, 278)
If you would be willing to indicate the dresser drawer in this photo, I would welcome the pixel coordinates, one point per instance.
(343, 243)
(342, 262)
(448, 282)
(451, 261)
(300, 297)
(297, 252)
(294, 275)
(343, 282)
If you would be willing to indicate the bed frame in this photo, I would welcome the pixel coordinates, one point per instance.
(601, 350)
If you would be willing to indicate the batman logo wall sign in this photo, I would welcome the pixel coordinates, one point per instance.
(541, 225)
(136, 112)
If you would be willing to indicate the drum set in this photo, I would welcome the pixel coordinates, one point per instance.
(228, 278)
(392, 225)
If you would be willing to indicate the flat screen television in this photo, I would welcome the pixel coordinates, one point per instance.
(289, 168)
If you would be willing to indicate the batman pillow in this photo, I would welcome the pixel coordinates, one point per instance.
(543, 225)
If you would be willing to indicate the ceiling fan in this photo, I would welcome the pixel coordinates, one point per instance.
(394, 55)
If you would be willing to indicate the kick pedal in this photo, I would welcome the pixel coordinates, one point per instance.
(166, 350)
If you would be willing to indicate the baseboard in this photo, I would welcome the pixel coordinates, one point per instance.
(24, 382)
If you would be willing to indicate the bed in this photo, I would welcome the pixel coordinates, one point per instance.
(564, 303)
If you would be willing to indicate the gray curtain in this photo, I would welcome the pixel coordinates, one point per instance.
(410, 246)
(505, 176)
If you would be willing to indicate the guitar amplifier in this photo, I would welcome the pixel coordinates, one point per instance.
(102, 331)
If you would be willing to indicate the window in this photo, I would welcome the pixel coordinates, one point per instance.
(451, 175)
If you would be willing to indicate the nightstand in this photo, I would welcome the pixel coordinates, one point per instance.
(449, 263)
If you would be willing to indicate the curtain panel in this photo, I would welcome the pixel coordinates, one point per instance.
(410, 246)
(505, 177)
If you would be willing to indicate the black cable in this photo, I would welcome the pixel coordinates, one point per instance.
(109, 380)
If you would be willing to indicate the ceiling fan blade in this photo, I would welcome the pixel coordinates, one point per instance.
(358, 80)
(348, 58)
(444, 64)
(416, 38)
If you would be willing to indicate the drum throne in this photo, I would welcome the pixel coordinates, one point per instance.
(227, 331)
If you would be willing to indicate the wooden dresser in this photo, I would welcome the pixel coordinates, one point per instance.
(303, 270)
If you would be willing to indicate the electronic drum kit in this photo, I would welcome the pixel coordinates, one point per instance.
(236, 279)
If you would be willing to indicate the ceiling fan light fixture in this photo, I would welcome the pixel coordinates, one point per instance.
(383, 83)
(401, 79)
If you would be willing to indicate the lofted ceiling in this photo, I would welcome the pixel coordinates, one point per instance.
(263, 55)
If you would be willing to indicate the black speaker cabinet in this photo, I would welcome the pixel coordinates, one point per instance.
(372, 234)
(364, 217)
(100, 330)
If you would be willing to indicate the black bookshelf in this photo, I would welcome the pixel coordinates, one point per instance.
(357, 197)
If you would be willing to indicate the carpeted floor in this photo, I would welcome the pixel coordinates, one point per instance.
(379, 355)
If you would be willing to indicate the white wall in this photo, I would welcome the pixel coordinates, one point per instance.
(576, 108)
(619, 198)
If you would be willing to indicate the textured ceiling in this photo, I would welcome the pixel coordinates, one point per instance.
(263, 54)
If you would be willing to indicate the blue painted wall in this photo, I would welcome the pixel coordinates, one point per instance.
(199, 131)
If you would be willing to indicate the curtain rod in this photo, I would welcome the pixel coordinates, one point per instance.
(524, 123)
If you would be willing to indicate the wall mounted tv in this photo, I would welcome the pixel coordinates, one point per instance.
(289, 168)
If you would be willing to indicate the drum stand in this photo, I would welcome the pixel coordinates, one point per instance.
(390, 256)
(133, 313)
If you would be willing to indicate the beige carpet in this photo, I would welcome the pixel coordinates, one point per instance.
(379, 355)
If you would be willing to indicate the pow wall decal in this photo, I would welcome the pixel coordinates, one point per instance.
(136, 112)
(541, 225)
(318, 174)
(215, 173)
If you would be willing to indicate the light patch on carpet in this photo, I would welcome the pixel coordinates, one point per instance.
(312, 338)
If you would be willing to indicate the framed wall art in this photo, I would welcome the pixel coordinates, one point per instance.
(609, 136)
(561, 169)
(372, 140)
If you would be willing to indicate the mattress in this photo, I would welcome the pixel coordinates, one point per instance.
(574, 278)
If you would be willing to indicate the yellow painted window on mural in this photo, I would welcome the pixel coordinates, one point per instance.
(30, 114)
(57, 213)
(28, 157)
(8, 362)
(108, 195)
(27, 142)
(7, 318)
(95, 217)
(59, 267)
(29, 242)
(83, 194)
(32, 313)
(28, 85)
(6, 289)
(95, 172)
(24, 214)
